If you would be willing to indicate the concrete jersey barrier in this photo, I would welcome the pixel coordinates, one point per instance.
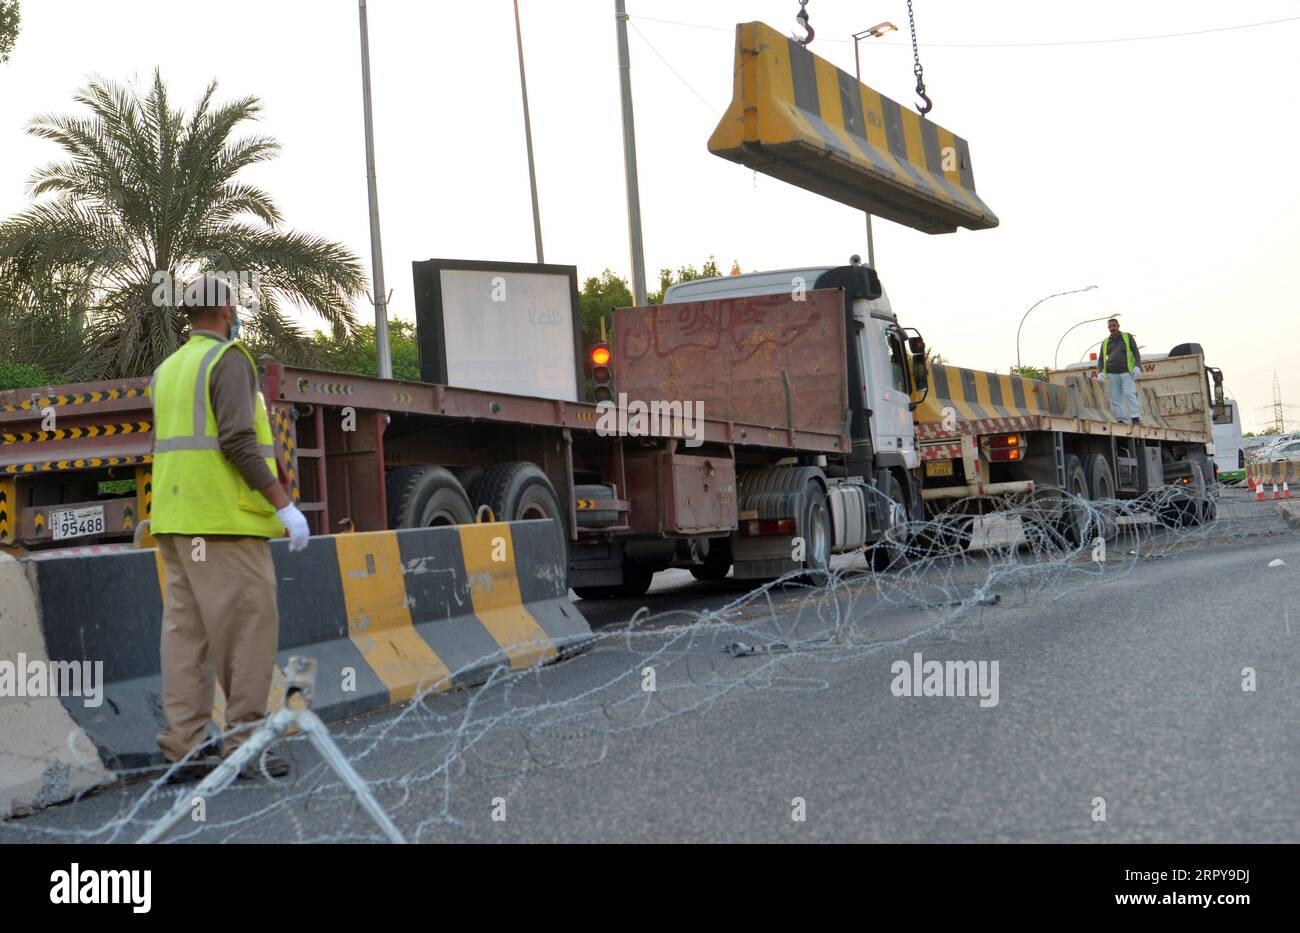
(387, 615)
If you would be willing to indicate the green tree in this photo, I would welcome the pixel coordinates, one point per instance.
(355, 352)
(9, 21)
(26, 376)
(685, 274)
(149, 198)
(1030, 372)
(599, 296)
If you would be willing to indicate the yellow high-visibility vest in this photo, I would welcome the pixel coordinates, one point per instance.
(196, 490)
(1128, 346)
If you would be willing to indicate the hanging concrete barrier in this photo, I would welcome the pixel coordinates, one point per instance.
(387, 615)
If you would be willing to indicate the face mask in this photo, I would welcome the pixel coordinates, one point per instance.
(234, 328)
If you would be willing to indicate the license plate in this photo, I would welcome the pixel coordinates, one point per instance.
(77, 523)
(938, 468)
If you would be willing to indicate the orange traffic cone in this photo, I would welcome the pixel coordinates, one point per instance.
(1286, 491)
(1250, 480)
(1259, 492)
(1275, 492)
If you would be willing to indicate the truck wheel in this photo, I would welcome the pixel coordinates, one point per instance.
(717, 563)
(1188, 505)
(815, 528)
(1057, 520)
(426, 497)
(1073, 522)
(1206, 508)
(1101, 490)
(469, 477)
(519, 491)
(892, 547)
(636, 581)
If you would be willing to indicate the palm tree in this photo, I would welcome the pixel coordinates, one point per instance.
(149, 195)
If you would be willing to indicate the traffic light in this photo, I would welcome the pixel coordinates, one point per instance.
(601, 375)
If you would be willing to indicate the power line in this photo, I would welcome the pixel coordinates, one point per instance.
(1017, 45)
(671, 68)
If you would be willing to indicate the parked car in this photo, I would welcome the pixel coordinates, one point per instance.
(1279, 452)
(1263, 452)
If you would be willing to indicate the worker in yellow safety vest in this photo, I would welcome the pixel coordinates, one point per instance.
(1118, 361)
(216, 502)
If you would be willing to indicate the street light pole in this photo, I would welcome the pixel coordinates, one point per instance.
(629, 158)
(1056, 359)
(874, 32)
(1035, 305)
(380, 297)
(528, 138)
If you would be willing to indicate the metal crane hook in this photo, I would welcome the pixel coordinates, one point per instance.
(929, 104)
(802, 17)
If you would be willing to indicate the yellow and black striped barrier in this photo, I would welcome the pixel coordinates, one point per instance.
(64, 434)
(79, 463)
(961, 400)
(388, 615)
(798, 118)
(957, 394)
(1278, 473)
(8, 510)
(74, 398)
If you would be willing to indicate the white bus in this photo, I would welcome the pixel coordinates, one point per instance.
(1228, 455)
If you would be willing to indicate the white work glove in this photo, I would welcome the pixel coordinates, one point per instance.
(296, 524)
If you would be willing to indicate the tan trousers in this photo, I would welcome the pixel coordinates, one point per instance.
(219, 620)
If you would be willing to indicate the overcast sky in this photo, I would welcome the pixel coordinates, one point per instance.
(1163, 171)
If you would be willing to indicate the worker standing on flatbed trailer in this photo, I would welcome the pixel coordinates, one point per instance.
(1119, 359)
(216, 502)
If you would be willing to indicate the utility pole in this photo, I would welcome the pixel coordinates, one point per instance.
(528, 138)
(380, 296)
(629, 158)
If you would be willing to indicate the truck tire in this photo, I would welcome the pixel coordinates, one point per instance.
(1188, 505)
(518, 491)
(595, 518)
(1056, 520)
(815, 529)
(1101, 490)
(426, 497)
(469, 477)
(892, 548)
(717, 563)
(636, 581)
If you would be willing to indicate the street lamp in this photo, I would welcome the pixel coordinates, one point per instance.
(875, 32)
(1056, 359)
(1035, 305)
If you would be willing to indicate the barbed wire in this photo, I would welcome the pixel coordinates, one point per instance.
(782, 637)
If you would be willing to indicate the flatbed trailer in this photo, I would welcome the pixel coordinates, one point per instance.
(360, 453)
(988, 438)
(818, 428)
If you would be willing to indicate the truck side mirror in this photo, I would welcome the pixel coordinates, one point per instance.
(1219, 406)
(920, 374)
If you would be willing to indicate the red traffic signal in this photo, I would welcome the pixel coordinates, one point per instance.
(601, 375)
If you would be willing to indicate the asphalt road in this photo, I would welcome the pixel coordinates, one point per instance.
(1119, 682)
